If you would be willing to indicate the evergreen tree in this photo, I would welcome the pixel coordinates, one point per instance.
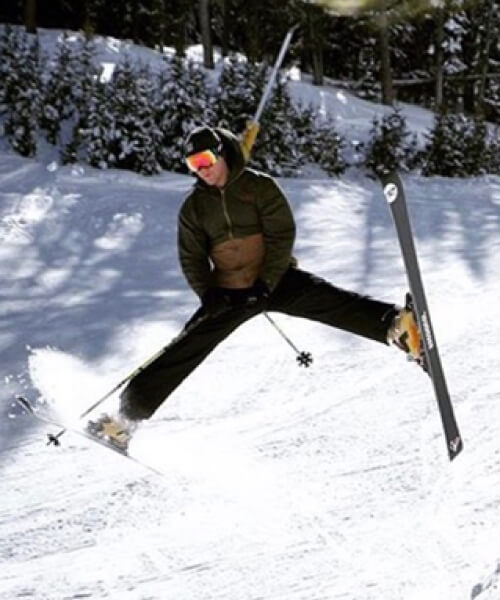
(277, 150)
(182, 102)
(240, 88)
(22, 97)
(11, 43)
(86, 76)
(327, 149)
(318, 140)
(57, 91)
(389, 148)
(457, 147)
(134, 134)
(493, 153)
(120, 130)
(99, 127)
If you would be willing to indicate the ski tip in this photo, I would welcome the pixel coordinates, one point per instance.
(25, 404)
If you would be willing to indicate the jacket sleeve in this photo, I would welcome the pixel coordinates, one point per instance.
(278, 227)
(193, 249)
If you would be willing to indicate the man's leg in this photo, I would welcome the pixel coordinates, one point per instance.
(147, 390)
(302, 294)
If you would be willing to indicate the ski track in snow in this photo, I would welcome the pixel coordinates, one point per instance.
(330, 483)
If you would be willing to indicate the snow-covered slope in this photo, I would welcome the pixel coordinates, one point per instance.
(353, 116)
(280, 483)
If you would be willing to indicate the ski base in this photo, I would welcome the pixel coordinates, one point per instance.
(395, 196)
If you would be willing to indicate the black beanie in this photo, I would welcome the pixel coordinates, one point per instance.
(202, 138)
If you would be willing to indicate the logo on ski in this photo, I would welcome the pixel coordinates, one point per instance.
(391, 192)
(427, 331)
(456, 444)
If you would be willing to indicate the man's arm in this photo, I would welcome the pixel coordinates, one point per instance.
(278, 227)
(193, 249)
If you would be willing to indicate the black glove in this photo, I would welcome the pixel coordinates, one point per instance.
(257, 295)
(215, 301)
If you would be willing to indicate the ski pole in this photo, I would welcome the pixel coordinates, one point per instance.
(272, 78)
(304, 359)
(252, 129)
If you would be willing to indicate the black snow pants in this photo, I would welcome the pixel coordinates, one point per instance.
(298, 293)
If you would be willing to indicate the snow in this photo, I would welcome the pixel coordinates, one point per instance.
(280, 482)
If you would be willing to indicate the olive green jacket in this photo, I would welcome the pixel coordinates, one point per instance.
(250, 203)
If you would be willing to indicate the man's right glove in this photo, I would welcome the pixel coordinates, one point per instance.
(248, 138)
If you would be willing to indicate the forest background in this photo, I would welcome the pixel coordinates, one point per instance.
(442, 55)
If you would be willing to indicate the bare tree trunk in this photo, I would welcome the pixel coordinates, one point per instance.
(470, 56)
(206, 34)
(87, 20)
(30, 15)
(484, 59)
(225, 27)
(439, 83)
(316, 44)
(385, 58)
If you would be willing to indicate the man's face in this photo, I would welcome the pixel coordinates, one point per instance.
(215, 174)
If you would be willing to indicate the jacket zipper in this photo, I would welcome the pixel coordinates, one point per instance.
(226, 215)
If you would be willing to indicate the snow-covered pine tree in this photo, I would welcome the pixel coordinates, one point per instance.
(9, 44)
(57, 91)
(456, 147)
(182, 102)
(134, 134)
(476, 159)
(240, 88)
(86, 79)
(99, 127)
(319, 141)
(278, 150)
(304, 123)
(389, 147)
(493, 152)
(327, 147)
(21, 97)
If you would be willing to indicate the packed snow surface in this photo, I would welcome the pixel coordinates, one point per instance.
(283, 483)
(280, 482)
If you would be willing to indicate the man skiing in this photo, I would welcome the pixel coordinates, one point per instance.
(235, 239)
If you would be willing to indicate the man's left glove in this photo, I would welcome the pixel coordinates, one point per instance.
(257, 295)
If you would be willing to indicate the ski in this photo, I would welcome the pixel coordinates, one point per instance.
(395, 196)
(52, 439)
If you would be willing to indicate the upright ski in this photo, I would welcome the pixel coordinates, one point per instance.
(395, 196)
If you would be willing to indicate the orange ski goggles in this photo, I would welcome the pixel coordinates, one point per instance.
(201, 160)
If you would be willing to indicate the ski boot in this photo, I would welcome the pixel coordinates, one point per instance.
(116, 431)
(405, 333)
